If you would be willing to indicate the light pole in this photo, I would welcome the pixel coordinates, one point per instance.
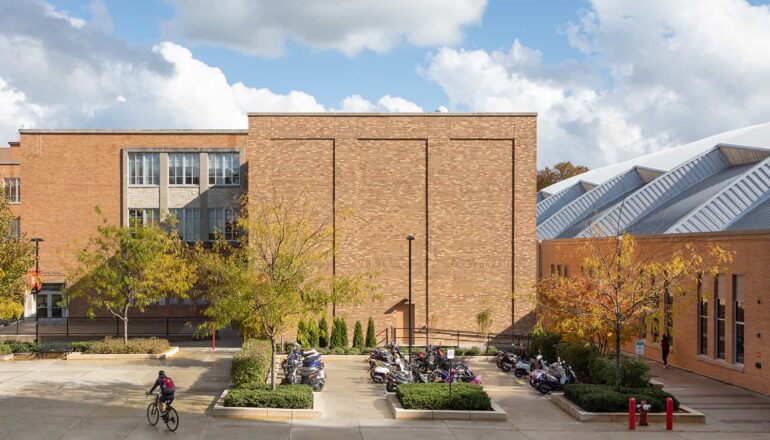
(410, 239)
(37, 242)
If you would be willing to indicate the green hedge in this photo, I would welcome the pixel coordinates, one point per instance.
(116, 346)
(257, 395)
(545, 344)
(436, 396)
(604, 398)
(5, 349)
(252, 363)
(23, 347)
(634, 373)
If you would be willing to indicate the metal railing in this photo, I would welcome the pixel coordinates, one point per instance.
(456, 338)
(84, 326)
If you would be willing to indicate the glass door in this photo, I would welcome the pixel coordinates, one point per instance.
(50, 305)
(57, 306)
(42, 305)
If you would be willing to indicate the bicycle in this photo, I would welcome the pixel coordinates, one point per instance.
(171, 418)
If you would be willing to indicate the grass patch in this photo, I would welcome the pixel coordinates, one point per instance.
(435, 396)
(259, 395)
(604, 398)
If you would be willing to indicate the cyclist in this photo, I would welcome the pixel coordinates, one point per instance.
(167, 390)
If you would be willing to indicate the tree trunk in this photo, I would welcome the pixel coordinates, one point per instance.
(617, 358)
(125, 330)
(272, 361)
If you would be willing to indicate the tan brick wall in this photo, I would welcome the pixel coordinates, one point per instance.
(751, 259)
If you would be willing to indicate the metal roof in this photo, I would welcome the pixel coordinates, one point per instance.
(720, 183)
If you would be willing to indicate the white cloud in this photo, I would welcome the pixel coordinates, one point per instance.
(350, 26)
(357, 104)
(656, 74)
(77, 76)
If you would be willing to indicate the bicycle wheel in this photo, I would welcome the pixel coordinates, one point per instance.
(172, 419)
(153, 414)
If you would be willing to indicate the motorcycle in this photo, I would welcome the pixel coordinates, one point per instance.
(397, 378)
(554, 378)
(506, 361)
(311, 373)
(454, 373)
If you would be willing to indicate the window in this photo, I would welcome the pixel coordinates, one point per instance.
(655, 329)
(738, 330)
(183, 169)
(224, 169)
(12, 187)
(668, 316)
(719, 305)
(188, 223)
(553, 269)
(643, 327)
(223, 221)
(143, 217)
(16, 227)
(143, 168)
(703, 318)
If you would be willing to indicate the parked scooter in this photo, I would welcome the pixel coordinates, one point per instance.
(306, 370)
(554, 378)
(397, 378)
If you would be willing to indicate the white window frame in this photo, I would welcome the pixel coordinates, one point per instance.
(143, 169)
(219, 218)
(224, 166)
(149, 215)
(16, 227)
(183, 169)
(12, 189)
(188, 224)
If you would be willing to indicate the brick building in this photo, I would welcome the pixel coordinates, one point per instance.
(713, 191)
(453, 181)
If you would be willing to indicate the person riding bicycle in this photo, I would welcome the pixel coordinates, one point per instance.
(167, 390)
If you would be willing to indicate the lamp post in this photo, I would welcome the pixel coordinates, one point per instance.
(410, 239)
(37, 242)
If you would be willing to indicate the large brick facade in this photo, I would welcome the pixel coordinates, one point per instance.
(751, 260)
(462, 184)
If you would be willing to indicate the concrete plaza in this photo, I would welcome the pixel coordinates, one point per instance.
(57, 399)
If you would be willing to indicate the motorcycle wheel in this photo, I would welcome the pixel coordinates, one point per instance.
(544, 389)
(519, 373)
(377, 378)
(434, 377)
(499, 364)
(319, 385)
(391, 387)
(506, 368)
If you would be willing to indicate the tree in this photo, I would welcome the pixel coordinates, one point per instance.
(312, 334)
(371, 335)
(125, 268)
(17, 255)
(562, 170)
(277, 273)
(336, 338)
(344, 332)
(323, 333)
(484, 321)
(302, 334)
(617, 287)
(358, 336)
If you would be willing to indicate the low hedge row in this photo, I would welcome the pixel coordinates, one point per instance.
(252, 363)
(259, 395)
(106, 346)
(5, 349)
(604, 398)
(435, 396)
(592, 367)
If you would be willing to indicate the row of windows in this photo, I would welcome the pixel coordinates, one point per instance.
(12, 189)
(720, 318)
(184, 169)
(221, 221)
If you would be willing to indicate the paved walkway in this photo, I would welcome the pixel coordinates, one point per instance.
(57, 399)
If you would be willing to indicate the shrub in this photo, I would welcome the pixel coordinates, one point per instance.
(251, 364)
(371, 335)
(473, 351)
(301, 334)
(459, 352)
(323, 333)
(311, 330)
(491, 351)
(84, 346)
(578, 357)
(435, 396)
(601, 370)
(259, 395)
(5, 349)
(358, 336)
(339, 336)
(545, 344)
(117, 346)
(604, 398)
(23, 347)
(634, 373)
(344, 332)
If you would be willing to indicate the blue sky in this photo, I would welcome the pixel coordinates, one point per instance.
(610, 79)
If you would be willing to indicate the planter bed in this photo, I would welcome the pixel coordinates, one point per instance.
(684, 415)
(497, 414)
(78, 356)
(6, 357)
(220, 410)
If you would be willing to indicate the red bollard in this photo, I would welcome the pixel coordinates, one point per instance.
(214, 340)
(669, 414)
(631, 413)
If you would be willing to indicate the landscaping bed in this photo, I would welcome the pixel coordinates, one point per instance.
(260, 395)
(683, 414)
(432, 401)
(108, 348)
(605, 398)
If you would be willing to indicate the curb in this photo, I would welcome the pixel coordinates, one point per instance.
(399, 413)
(686, 414)
(219, 410)
(78, 356)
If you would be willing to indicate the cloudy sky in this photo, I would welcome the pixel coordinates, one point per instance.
(610, 79)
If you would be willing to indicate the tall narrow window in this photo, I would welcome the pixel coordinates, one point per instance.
(223, 221)
(143, 168)
(668, 317)
(188, 223)
(703, 318)
(720, 306)
(183, 169)
(738, 330)
(143, 217)
(224, 169)
(655, 329)
(16, 227)
(12, 187)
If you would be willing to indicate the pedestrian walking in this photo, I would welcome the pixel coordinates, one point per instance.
(664, 348)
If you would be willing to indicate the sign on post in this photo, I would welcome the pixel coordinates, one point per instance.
(640, 347)
(450, 354)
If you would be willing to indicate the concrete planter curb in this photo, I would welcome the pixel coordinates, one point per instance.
(77, 356)
(686, 414)
(6, 357)
(399, 413)
(219, 410)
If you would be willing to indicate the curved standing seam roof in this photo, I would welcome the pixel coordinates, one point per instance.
(718, 183)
